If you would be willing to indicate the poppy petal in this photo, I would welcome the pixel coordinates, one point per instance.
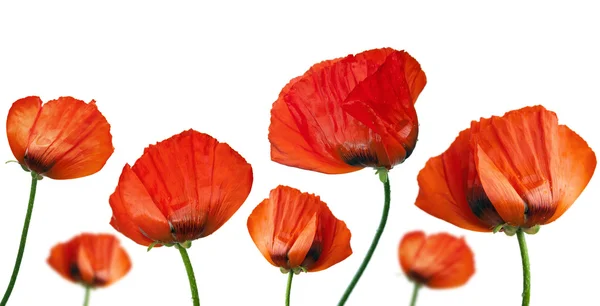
(120, 265)
(70, 139)
(288, 145)
(83, 269)
(60, 258)
(336, 243)
(20, 120)
(523, 146)
(335, 140)
(443, 183)
(290, 204)
(408, 249)
(384, 103)
(453, 265)
(303, 243)
(260, 226)
(499, 190)
(577, 165)
(134, 212)
(197, 182)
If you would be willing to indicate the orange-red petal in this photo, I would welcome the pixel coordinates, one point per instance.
(577, 165)
(436, 261)
(70, 139)
(95, 260)
(294, 229)
(197, 182)
(310, 128)
(335, 239)
(408, 249)
(444, 185)
(134, 213)
(20, 120)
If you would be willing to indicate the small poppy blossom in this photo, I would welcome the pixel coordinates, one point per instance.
(349, 113)
(94, 260)
(64, 138)
(520, 170)
(437, 261)
(296, 231)
(181, 189)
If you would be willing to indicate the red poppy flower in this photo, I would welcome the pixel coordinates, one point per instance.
(95, 260)
(62, 139)
(436, 261)
(181, 189)
(297, 231)
(349, 113)
(520, 170)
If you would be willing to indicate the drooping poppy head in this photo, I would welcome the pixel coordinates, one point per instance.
(438, 261)
(94, 260)
(520, 170)
(349, 113)
(297, 231)
(181, 189)
(65, 138)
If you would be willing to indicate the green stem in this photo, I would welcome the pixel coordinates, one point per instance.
(363, 266)
(413, 300)
(86, 300)
(288, 288)
(190, 273)
(526, 268)
(13, 277)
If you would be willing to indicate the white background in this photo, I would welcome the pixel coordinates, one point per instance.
(158, 69)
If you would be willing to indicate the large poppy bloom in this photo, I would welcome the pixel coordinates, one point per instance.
(65, 138)
(437, 261)
(296, 231)
(520, 170)
(349, 113)
(181, 189)
(94, 260)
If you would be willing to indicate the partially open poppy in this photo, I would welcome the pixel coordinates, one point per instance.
(181, 189)
(296, 231)
(506, 173)
(436, 261)
(94, 260)
(349, 113)
(65, 138)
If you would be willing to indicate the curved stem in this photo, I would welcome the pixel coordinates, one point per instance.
(13, 278)
(190, 273)
(86, 300)
(384, 216)
(413, 300)
(288, 288)
(526, 268)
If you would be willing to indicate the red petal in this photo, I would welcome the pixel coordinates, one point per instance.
(197, 182)
(69, 139)
(408, 249)
(333, 141)
(524, 147)
(577, 165)
(19, 122)
(260, 226)
(335, 240)
(384, 103)
(443, 186)
(134, 213)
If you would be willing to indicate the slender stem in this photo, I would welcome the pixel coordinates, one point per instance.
(413, 300)
(13, 277)
(526, 268)
(363, 266)
(86, 300)
(288, 288)
(190, 273)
